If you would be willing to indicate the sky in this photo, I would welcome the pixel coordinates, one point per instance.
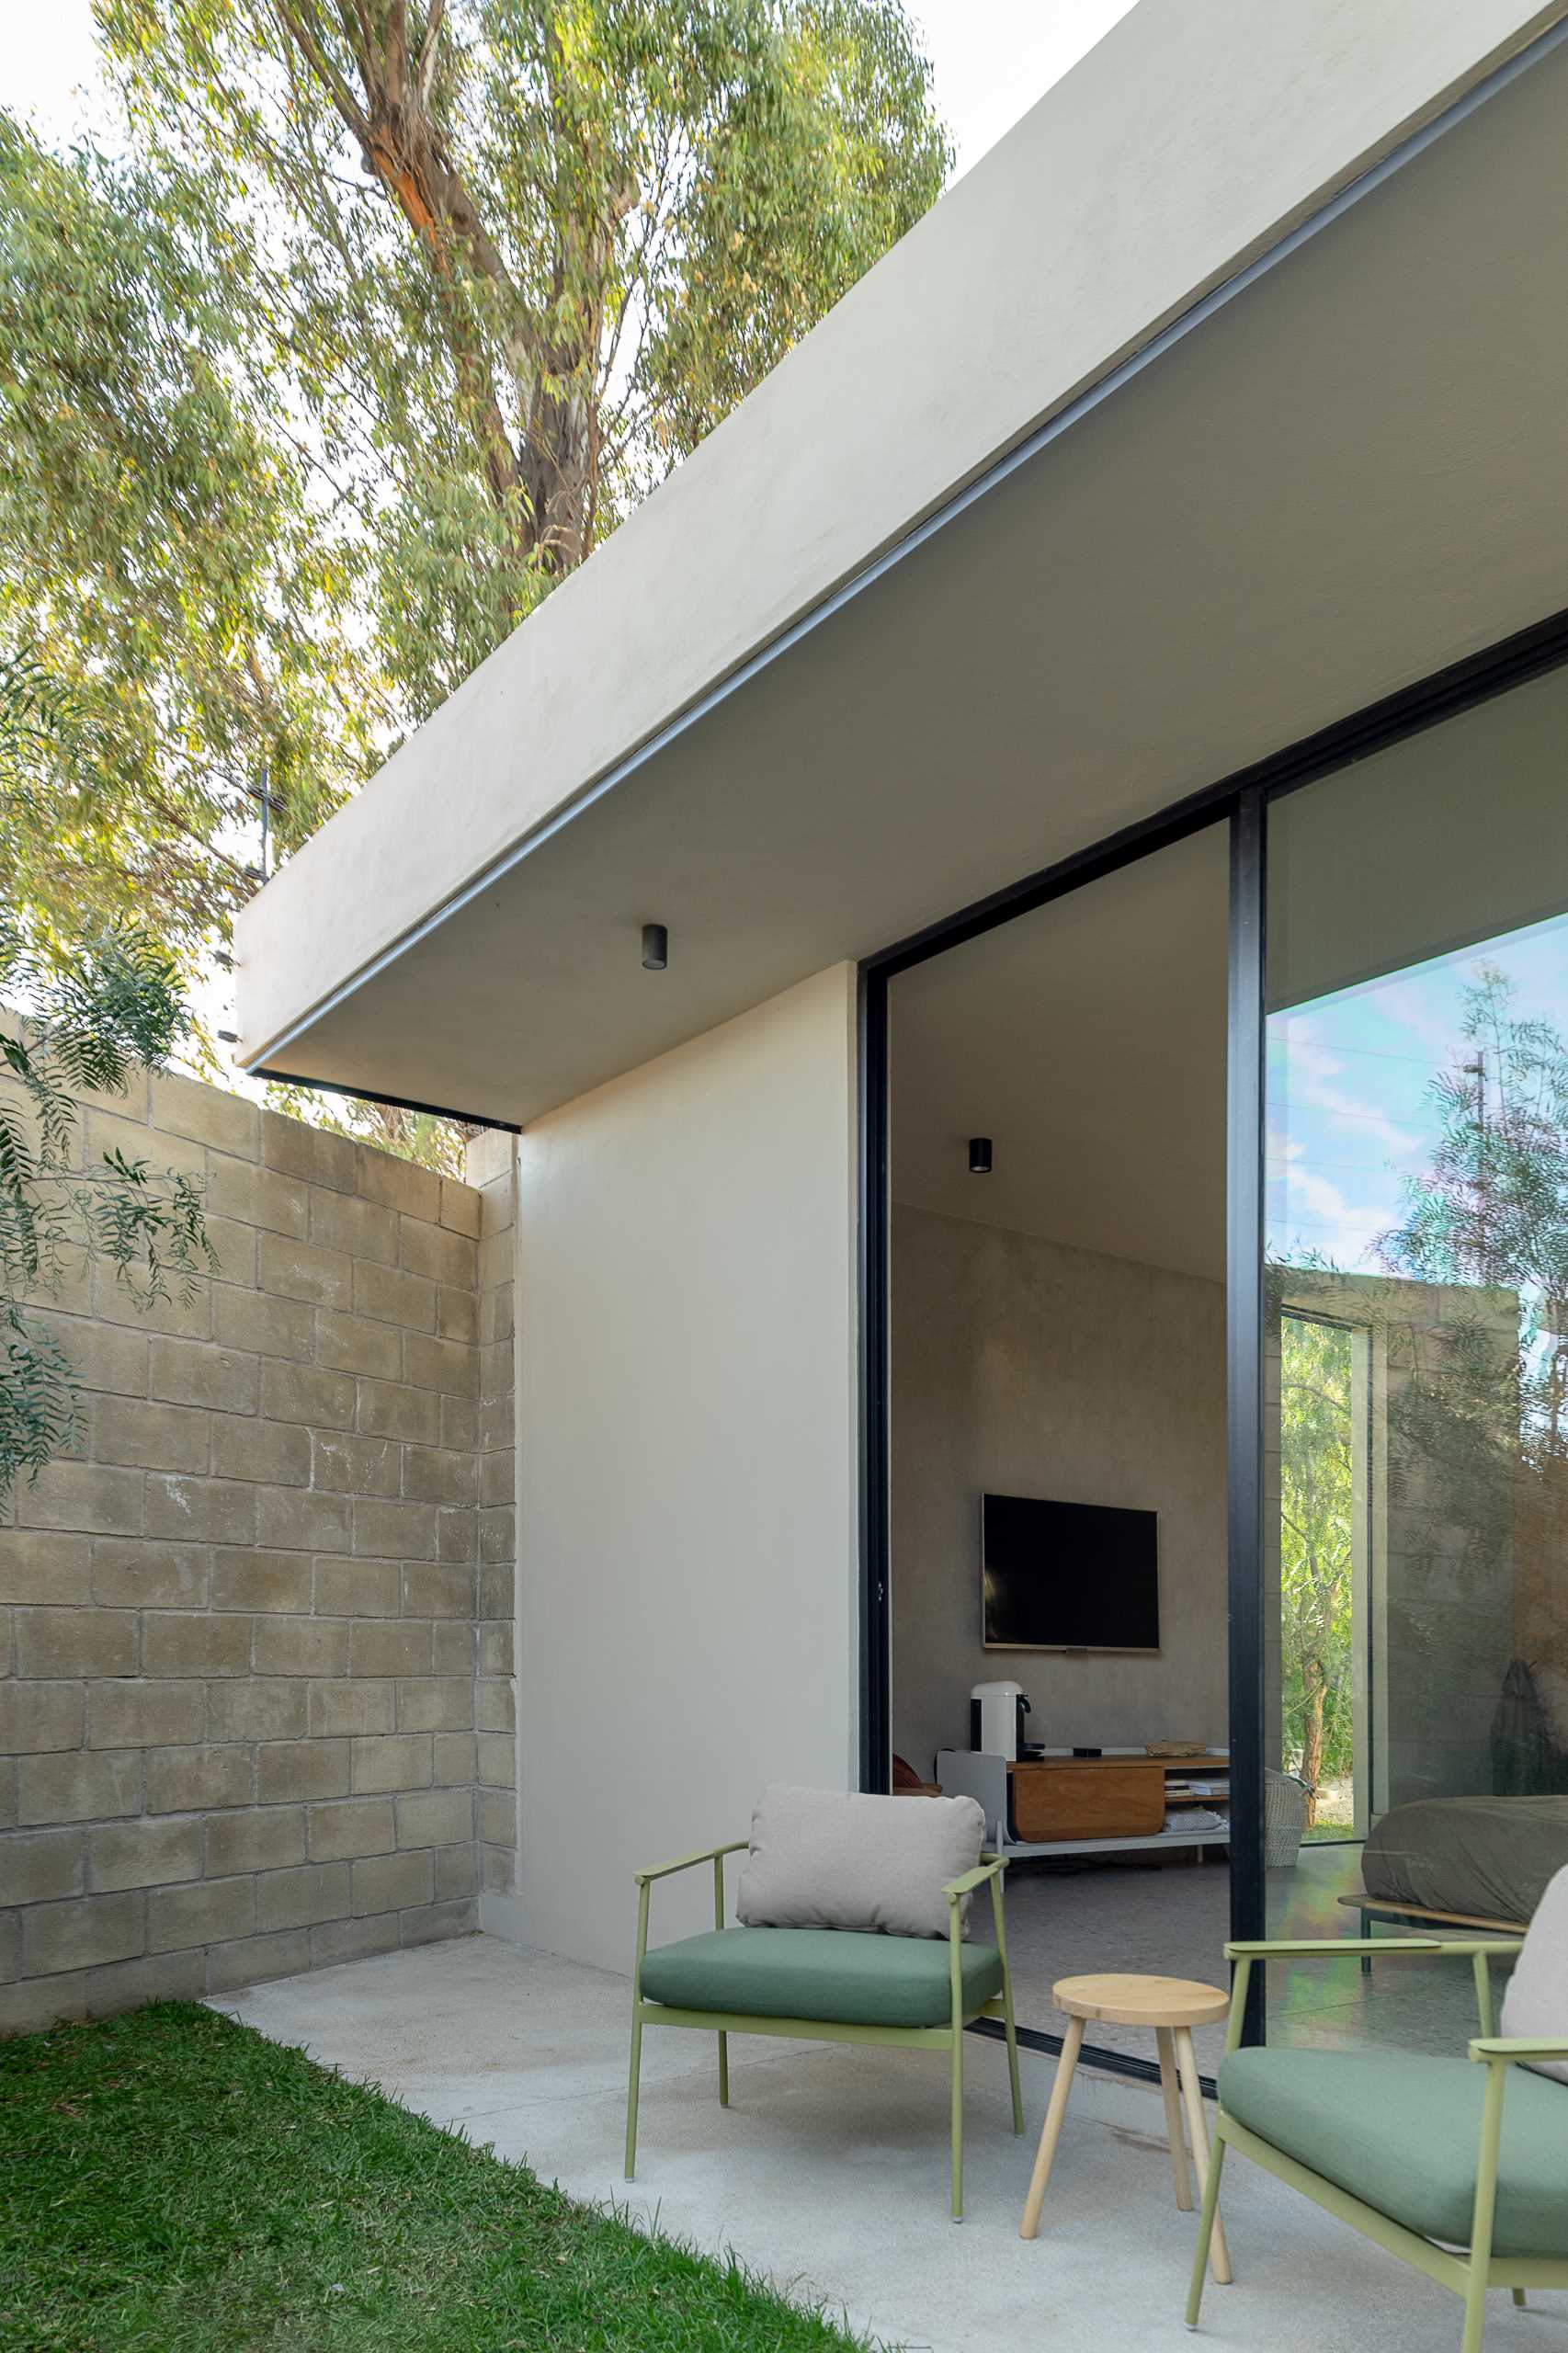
(1351, 1109)
(991, 58)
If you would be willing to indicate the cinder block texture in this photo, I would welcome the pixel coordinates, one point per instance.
(256, 1617)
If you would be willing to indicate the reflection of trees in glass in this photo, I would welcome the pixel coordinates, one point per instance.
(1468, 1323)
(1492, 1208)
(1482, 1409)
(1316, 1547)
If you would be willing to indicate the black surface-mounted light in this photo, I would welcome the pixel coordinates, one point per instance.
(656, 946)
(980, 1155)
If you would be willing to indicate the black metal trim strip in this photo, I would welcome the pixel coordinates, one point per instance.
(876, 1420)
(1244, 1383)
(393, 1102)
(1108, 2062)
(992, 476)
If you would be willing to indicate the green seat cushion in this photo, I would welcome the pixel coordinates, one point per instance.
(832, 1974)
(1401, 2133)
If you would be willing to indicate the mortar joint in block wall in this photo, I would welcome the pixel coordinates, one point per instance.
(241, 1624)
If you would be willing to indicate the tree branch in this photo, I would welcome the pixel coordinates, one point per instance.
(424, 71)
(297, 28)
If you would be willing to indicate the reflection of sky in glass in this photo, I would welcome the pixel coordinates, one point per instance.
(1350, 1110)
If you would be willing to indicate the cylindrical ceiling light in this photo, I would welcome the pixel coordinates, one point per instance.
(980, 1155)
(656, 946)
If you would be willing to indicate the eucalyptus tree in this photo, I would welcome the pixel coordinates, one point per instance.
(160, 563)
(370, 323)
(110, 1006)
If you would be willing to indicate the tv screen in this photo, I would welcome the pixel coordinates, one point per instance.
(1069, 1576)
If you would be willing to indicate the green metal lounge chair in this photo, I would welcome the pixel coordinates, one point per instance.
(827, 1985)
(1419, 2153)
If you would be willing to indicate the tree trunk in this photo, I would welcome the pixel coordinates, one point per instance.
(1315, 1687)
(541, 465)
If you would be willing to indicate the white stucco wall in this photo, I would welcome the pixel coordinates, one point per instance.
(687, 1596)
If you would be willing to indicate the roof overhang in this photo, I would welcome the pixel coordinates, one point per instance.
(1222, 399)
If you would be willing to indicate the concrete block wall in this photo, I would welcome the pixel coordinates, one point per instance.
(246, 1669)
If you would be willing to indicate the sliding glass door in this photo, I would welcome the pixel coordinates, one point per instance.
(1415, 1605)
(1395, 1284)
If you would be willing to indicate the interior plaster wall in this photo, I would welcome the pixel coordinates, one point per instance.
(688, 1492)
(1023, 1367)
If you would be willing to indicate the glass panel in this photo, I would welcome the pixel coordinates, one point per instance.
(1323, 1554)
(1416, 1335)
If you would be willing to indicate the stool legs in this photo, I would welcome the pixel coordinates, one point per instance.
(1206, 2223)
(1219, 2254)
(1172, 2094)
(1050, 2132)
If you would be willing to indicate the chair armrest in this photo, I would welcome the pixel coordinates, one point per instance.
(957, 1889)
(1384, 1948)
(1477, 1951)
(687, 1862)
(1522, 2049)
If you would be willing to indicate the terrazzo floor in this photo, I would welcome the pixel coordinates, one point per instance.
(1172, 1919)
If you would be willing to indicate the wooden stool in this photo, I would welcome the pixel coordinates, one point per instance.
(1172, 2007)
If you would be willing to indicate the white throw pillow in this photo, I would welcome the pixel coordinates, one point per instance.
(1536, 2004)
(820, 1859)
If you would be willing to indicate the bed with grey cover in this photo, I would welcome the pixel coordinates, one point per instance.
(1487, 1859)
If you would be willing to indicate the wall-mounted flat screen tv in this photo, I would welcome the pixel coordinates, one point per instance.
(1069, 1576)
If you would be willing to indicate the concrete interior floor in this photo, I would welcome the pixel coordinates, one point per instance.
(828, 2172)
(1172, 1919)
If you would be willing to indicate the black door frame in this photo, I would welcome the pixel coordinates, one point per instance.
(1243, 801)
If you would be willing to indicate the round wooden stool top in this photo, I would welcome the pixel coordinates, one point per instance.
(1140, 2001)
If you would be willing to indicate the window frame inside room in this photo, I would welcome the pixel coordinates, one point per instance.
(1242, 801)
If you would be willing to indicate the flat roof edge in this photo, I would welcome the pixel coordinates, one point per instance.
(1513, 55)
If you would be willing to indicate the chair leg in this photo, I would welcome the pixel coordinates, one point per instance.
(999, 1917)
(1366, 1957)
(1051, 2132)
(1168, 2086)
(1475, 2308)
(718, 1925)
(1485, 2212)
(1012, 2034)
(1187, 2063)
(1206, 2221)
(957, 2081)
(632, 2094)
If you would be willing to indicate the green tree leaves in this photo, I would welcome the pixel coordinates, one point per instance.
(380, 315)
(116, 1004)
(1316, 1548)
(509, 260)
(158, 561)
(109, 1007)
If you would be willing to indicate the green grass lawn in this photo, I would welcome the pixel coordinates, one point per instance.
(170, 2181)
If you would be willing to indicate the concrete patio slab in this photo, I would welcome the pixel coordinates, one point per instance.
(829, 2170)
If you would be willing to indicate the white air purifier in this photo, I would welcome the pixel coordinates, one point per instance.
(996, 1712)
